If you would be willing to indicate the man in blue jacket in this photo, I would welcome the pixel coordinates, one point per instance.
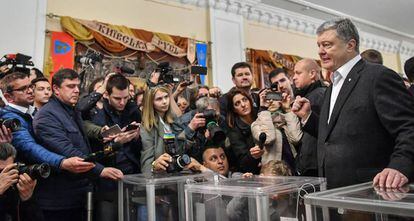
(58, 127)
(18, 91)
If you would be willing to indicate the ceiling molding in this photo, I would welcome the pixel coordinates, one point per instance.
(254, 10)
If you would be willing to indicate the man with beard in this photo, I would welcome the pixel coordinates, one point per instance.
(242, 78)
(307, 83)
(280, 77)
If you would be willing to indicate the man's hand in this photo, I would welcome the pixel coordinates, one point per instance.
(5, 135)
(25, 186)
(8, 177)
(390, 178)
(162, 162)
(155, 77)
(214, 92)
(262, 96)
(76, 165)
(198, 121)
(111, 173)
(196, 166)
(286, 102)
(180, 89)
(301, 107)
(102, 88)
(126, 137)
(256, 152)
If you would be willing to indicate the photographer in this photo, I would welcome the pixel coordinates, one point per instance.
(192, 127)
(156, 132)
(280, 125)
(15, 189)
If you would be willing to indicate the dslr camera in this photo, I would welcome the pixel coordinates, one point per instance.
(179, 161)
(274, 94)
(35, 171)
(12, 123)
(216, 133)
(166, 75)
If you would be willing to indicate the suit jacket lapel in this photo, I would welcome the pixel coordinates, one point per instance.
(346, 89)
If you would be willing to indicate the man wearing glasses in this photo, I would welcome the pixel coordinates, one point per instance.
(18, 91)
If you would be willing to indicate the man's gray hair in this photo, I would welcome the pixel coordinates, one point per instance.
(345, 29)
(202, 103)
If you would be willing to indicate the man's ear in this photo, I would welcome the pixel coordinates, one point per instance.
(55, 90)
(313, 74)
(234, 82)
(9, 97)
(350, 46)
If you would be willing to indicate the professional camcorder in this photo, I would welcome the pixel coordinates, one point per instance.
(179, 161)
(273, 94)
(216, 133)
(16, 63)
(35, 171)
(166, 75)
(12, 123)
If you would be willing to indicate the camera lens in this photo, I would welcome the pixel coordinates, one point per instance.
(183, 160)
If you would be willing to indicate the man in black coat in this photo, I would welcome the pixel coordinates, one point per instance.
(59, 128)
(366, 124)
(307, 83)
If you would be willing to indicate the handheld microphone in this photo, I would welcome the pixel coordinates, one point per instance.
(262, 140)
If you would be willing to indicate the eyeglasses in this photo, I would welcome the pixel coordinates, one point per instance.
(24, 88)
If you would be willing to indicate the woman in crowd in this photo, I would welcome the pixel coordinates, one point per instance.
(240, 116)
(159, 112)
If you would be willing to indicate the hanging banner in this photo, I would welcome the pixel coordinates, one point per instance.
(62, 51)
(168, 47)
(115, 35)
(201, 50)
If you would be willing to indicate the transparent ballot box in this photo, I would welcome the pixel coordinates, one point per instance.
(361, 202)
(155, 197)
(252, 199)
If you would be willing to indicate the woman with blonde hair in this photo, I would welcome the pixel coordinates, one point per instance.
(158, 113)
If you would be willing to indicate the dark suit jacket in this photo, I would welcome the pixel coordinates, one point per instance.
(371, 127)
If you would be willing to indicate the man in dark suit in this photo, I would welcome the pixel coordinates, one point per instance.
(366, 124)
(306, 80)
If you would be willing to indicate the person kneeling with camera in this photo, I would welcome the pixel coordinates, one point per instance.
(16, 189)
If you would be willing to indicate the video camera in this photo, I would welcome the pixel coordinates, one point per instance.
(18, 62)
(35, 171)
(216, 133)
(274, 94)
(12, 123)
(166, 75)
(90, 58)
(179, 161)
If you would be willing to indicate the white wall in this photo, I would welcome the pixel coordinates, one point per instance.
(227, 35)
(23, 28)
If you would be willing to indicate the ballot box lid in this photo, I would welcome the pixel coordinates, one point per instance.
(366, 197)
(257, 185)
(166, 178)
